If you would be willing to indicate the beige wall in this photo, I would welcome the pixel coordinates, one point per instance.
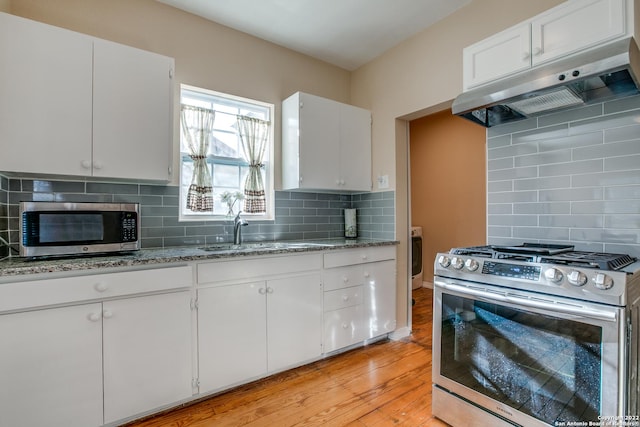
(207, 54)
(418, 77)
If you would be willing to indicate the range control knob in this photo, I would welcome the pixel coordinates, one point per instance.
(444, 261)
(553, 275)
(577, 278)
(457, 263)
(471, 264)
(602, 281)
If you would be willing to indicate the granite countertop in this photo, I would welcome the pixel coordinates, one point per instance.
(16, 266)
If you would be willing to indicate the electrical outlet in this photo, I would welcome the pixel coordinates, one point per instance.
(383, 181)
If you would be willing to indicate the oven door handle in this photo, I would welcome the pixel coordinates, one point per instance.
(491, 297)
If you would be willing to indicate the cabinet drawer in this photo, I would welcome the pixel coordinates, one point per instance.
(343, 277)
(341, 298)
(260, 267)
(358, 256)
(342, 328)
(39, 293)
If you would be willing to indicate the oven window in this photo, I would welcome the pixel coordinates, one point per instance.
(546, 367)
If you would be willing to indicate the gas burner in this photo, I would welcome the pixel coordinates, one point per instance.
(600, 260)
(549, 254)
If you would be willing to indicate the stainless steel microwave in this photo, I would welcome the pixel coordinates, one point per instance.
(64, 229)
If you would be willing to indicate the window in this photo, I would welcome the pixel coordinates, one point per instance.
(225, 164)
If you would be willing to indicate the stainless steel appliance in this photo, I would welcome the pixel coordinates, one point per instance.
(416, 257)
(535, 335)
(602, 74)
(63, 229)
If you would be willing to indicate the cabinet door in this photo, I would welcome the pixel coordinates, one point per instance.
(294, 319)
(319, 143)
(51, 367)
(343, 327)
(355, 148)
(576, 25)
(45, 98)
(232, 334)
(147, 353)
(500, 55)
(132, 123)
(380, 298)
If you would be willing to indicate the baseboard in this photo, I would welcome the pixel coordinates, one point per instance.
(427, 285)
(400, 333)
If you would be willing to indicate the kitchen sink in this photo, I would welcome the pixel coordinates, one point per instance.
(257, 246)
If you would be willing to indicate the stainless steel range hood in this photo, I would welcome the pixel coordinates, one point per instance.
(601, 74)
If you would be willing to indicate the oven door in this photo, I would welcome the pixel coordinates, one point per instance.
(526, 359)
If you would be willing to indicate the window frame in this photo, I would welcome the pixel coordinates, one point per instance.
(269, 215)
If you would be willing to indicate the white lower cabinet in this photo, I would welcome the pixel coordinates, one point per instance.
(88, 364)
(359, 296)
(249, 328)
(51, 367)
(294, 321)
(232, 334)
(147, 353)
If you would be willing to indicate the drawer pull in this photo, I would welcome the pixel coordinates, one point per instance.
(94, 317)
(100, 287)
(364, 257)
(262, 291)
(345, 325)
(107, 314)
(366, 274)
(345, 298)
(345, 279)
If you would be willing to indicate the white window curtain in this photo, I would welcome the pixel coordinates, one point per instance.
(197, 126)
(254, 135)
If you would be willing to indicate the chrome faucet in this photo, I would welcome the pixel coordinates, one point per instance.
(238, 223)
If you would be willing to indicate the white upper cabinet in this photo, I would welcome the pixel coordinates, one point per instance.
(45, 98)
(566, 29)
(576, 25)
(74, 105)
(500, 55)
(132, 99)
(326, 145)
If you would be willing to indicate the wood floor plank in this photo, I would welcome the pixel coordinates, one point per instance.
(387, 383)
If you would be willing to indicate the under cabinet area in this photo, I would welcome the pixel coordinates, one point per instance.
(87, 364)
(568, 28)
(82, 106)
(326, 145)
(255, 319)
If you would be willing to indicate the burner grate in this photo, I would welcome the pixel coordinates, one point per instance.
(601, 260)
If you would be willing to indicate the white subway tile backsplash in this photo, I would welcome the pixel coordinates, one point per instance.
(576, 173)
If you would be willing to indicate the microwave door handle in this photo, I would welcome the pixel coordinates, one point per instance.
(492, 297)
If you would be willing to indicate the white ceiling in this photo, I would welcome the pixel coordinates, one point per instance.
(346, 33)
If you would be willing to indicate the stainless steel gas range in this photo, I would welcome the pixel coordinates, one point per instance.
(536, 335)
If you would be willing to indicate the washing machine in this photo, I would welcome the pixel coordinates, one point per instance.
(416, 257)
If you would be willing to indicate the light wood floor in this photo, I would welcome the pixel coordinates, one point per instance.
(384, 384)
